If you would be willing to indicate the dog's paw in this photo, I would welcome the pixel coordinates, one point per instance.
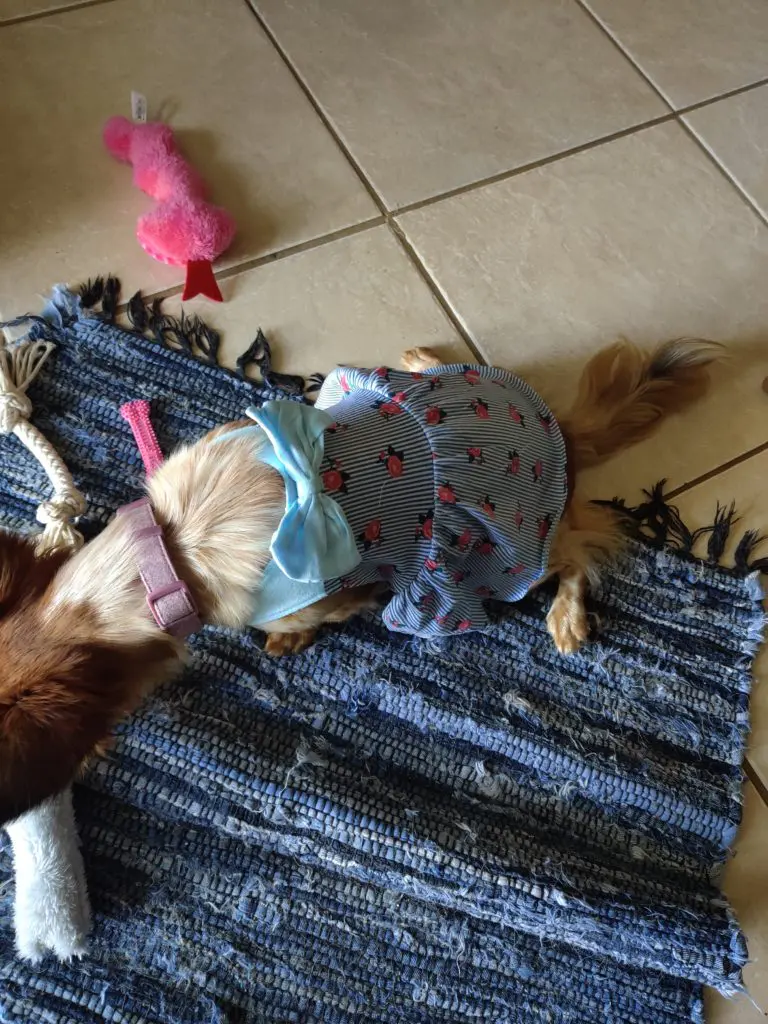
(415, 359)
(278, 644)
(568, 625)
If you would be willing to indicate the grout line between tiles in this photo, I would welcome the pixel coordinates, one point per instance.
(583, 147)
(712, 473)
(387, 216)
(672, 115)
(713, 159)
(437, 292)
(755, 778)
(722, 96)
(625, 53)
(272, 257)
(294, 250)
(679, 113)
(38, 15)
(493, 179)
(299, 79)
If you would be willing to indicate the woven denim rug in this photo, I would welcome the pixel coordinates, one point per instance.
(381, 829)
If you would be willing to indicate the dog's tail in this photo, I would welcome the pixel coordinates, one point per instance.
(625, 392)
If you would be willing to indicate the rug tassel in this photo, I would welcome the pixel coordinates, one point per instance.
(91, 292)
(190, 334)
(659, 522)
(721, 530)
(104, 292)
(260, 353)
(744, 549)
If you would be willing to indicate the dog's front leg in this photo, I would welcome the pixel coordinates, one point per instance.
(588, 536)
(294, 633)
(278, 644)
(567, 619)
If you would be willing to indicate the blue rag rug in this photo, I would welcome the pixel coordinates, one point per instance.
(383, 829)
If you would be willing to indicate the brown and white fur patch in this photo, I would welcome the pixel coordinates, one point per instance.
(80, 648)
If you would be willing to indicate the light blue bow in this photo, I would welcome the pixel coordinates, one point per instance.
(314, 540)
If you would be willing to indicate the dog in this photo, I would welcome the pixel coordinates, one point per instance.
(81, 648)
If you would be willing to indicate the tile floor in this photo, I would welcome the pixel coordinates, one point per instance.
(524, 179)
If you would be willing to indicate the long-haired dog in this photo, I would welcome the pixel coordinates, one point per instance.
(80, 648)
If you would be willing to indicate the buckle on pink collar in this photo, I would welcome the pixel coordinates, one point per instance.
(182, 627)
(168, 598)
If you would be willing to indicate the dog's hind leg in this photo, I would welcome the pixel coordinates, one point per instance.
(415, 359)
(588, 535)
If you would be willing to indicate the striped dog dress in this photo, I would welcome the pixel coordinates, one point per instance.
(448, 484)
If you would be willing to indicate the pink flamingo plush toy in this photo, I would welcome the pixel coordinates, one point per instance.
(183, 228)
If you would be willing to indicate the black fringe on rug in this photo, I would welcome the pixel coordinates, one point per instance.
(658, 522)
(188, 334)
(383, 829)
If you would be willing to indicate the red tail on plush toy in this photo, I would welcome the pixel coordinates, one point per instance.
(184, 229)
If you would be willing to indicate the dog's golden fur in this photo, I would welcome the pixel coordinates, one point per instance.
(80, 649)
(64, 680)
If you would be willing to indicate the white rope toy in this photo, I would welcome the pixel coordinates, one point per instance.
(19, 366)
(51, 908)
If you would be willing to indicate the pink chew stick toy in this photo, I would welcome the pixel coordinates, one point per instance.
(184, 228)
(137, 415)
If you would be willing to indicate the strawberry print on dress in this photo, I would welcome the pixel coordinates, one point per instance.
(453, 481)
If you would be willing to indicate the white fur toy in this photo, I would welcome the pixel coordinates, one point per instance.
(51, 908)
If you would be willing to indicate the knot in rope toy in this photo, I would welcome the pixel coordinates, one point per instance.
(56, 516)
(14, 407)
(183, 229)
(18, 368)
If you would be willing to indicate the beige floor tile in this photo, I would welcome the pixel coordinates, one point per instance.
(13, 9)
(641, 237)
(432, 96)
(747, 485)
(735, 131)
(70, 211)
(356, 301)
(691, 49)
(746, 884)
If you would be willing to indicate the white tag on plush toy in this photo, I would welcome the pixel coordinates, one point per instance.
(138, 107)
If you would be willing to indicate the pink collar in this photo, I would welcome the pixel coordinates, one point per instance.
(172, 606)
